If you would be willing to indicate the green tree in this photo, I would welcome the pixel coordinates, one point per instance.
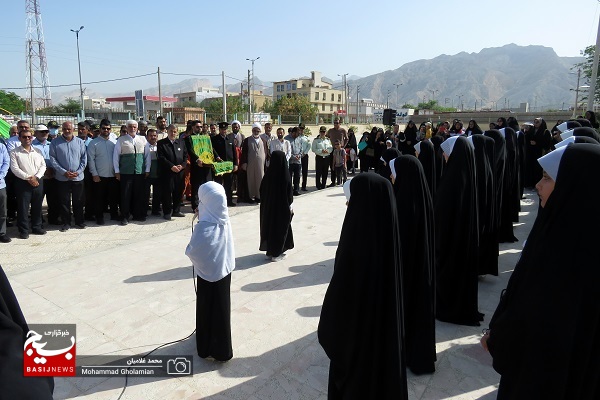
(214, 107)
(70, 106)
(11, 102)
(586, 68)
(294, 107)
(407, 105)
(190, 104)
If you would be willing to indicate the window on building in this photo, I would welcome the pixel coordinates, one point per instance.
(332, 97)
(293, 86)
(323, 107)
(316, 95)
(288, 86)
(289, 95)
(339, 98)
(331, 107)
(324, 97)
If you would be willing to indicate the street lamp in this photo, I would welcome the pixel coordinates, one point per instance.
(388, 98)
(252, 87)
(79, 63)
(433, 94)
(345, 83)
(397, 86)
(459, 101)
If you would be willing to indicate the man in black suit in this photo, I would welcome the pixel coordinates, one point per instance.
(172, 157)
(199, 172)
(224, 150)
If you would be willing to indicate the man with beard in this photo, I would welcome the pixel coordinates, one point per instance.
(199, 172)
(105, 188)
(172, 158)
(224, 150)
(281, 144)
(142, 128)
(306, 146)
(161, 127)
(254, 158)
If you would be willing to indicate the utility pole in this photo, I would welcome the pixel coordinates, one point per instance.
(251, 88)
(358, 104)
(577, 93)
(160, 93)
(31, 87)
(344, 83)
(397, 98)
(249, 98)
(388, 99)
(224, 96)
(592, 92)
(36, 55)
(79, 64)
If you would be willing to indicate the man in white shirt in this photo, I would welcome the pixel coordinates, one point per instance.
(322, 148)
(281, 144)
(28, 165)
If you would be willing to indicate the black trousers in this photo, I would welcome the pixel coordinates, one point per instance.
(198, 176)
(295, 171)
(171, 187)
(133, 196)
(28, 195)
(52, 200)
(321, 171)
(90, 204)
(157, 195)
(213, 319)
(304, 161)
(226, 180)
(11, 198)
(2, 211)
(67, 191)
(106, 192)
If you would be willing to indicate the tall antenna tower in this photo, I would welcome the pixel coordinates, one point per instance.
(35, 58)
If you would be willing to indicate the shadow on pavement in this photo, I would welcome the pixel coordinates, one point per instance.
(174, 274)
(305, 275)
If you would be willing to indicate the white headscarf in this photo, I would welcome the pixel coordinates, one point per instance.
(346, 189)
(392, 162)
(567, 134)
(448, 144)
(551, 161)
(417, 148)
(562, 127)
(235, 121)
(565, 142)
(257, 125)
(211, 247)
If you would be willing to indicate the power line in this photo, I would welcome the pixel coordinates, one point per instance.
(84, 83)
(173, 73)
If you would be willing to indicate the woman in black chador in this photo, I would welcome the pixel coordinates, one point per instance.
(486, 200)
(456, 236)
(276, 212)
(544, 336)
(361, 327)
(537, 142)
(425, 152)
(415, 215)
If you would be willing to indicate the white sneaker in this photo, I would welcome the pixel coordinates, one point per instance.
(279, 258)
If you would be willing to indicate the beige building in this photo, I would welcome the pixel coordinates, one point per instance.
(320, 93)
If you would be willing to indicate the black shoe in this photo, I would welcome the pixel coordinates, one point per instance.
(80, 226)
(54, 222)
(115, 218)
(304, 189)
(296, 193)
(24, 235)
(38, 231)
(178, 214)
(167, 217)
(143, 219)
(89, 218)
(257, 201)
(5, 239)
(332, 184)
(99, 221)
(65, 228)
(231, 204)
(156, 213)
(124, 221)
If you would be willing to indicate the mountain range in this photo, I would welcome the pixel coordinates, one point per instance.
(497, 78)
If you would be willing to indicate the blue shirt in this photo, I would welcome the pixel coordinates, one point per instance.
(4, 164)
(68, 156)
(44, 148)
(100, 157)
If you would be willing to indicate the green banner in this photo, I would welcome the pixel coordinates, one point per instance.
(203, 148)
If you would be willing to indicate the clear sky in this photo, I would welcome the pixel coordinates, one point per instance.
(133, 37)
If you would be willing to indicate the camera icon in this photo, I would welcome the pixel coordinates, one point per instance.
(179, 366)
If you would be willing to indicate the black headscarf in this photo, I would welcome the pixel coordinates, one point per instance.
(536, 144)
(352, 141)
(584, 122)
(592, 118)
(475, 130)
(585, 139)
(512, 150)
(456, 238)
(554, 286)
(440, 161)
(360, 327)
(486, 200)
(275, 216)
(410, 134)
(415, 216)
(586, 131)
(13, 331)
(428, 160)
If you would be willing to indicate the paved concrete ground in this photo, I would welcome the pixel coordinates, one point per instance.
(129, 289)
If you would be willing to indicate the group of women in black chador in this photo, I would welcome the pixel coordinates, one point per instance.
(435, 225)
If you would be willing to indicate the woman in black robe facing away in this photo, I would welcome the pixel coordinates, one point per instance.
(425, 152)
(509, 210)
(544, 336)
(486, 199)
(440, 161)
(361, 327)
(276, 213)
(415, 216)
(456, 236)
(537, 143)
(388, 155)
(13, 331)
